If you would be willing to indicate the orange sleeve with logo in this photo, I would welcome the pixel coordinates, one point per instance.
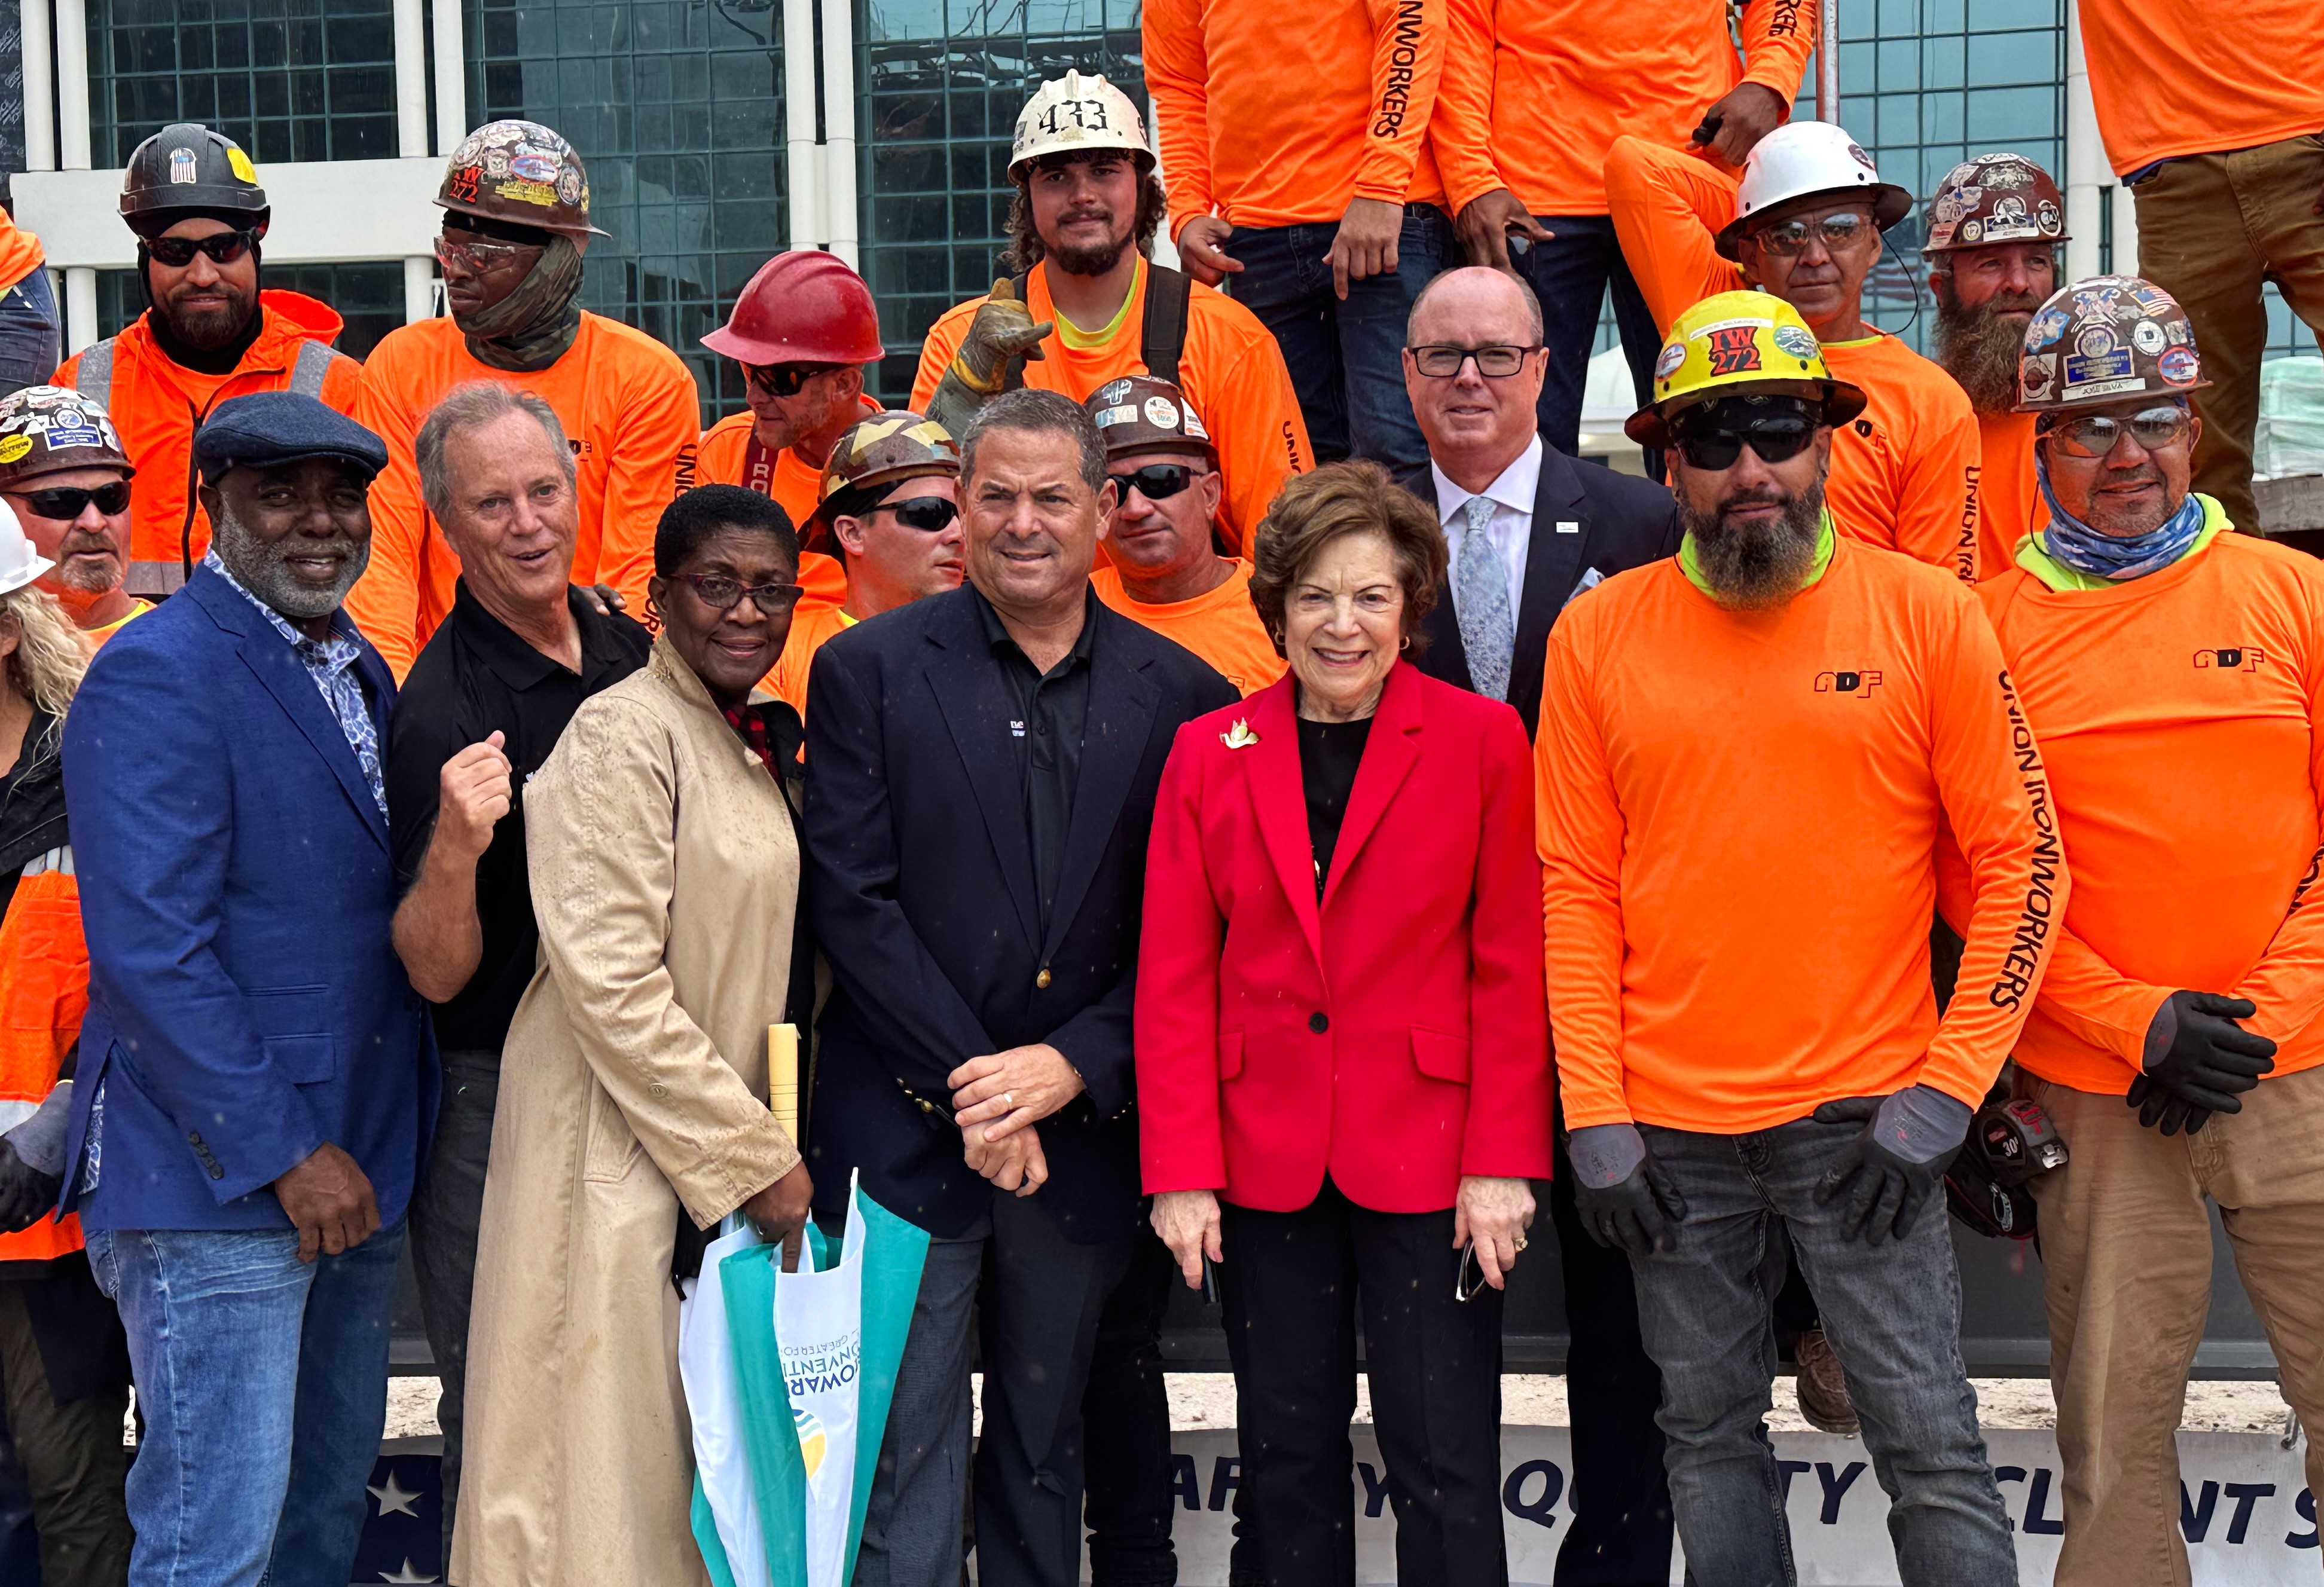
(1778, 37)
(1177, 78)
(1936, 502)
(1407, 61)
(385, 602)
(651, 463)
(1667, 206)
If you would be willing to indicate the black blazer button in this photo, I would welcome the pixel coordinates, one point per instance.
(1318, 1022)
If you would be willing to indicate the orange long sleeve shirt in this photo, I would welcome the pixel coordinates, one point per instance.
(1738, 814)
(2181, 717)
(1537, 91)
(1230, 369)
(1905, 473)
(2007, 499)
(2173, 76)
(723, 458)
(629, 410)
(1222, 627)
(1274, 114)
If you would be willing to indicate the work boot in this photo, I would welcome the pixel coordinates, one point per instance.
(1822, 1387)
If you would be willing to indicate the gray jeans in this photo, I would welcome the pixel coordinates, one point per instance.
(1892, 1314)
(446, 1210)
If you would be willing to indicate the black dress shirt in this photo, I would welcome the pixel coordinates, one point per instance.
(476, 675)
(1049, 710)
(1329, 755)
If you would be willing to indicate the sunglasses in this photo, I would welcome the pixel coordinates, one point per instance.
(65, 503)
(223, 248)
(480, 254)
(1442, 362)
(784, 379)
(719, 593)
(1776, 440)
(2095, 435)
(928, 514)
(1157, 481)
(1838, 232)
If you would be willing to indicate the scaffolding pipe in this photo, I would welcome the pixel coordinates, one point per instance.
(1827, 53)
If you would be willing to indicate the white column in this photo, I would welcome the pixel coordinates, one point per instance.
(839, 208)
(419, 289)
(2087, 174)
(1828, 61)
(80, 308)
(39, 87)
(72, 85)
(410, 78)
(802, 164)
(2125, 233)
(451, 78)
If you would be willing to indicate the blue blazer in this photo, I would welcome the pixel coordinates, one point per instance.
(244, 1003)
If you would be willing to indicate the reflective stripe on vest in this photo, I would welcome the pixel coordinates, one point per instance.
(93, 376)
(310, 369)
(43, 996)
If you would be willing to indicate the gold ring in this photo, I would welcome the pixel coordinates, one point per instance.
(1519, 1241)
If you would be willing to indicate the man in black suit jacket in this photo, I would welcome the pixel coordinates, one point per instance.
(1529, 528)
(982, 767)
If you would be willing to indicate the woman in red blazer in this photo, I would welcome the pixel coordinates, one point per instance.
(1343, 1077)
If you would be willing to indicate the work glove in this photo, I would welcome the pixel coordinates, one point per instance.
(1626, 1199)
(2198, 1062)
(1889, 1172)
(26, 1194)
(1002, 334)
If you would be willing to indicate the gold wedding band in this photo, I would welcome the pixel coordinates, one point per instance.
(1519, 1241)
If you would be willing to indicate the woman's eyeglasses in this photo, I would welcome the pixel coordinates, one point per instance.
(63, 503)
(1442, 362)
(1157, 481)
(1776, 440)
(928, 514)
(1840, 233)
(2094, 435)
(719, 593)
(223, 247)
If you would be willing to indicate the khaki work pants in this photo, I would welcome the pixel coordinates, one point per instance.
(2211, 228)
(2126, 1272)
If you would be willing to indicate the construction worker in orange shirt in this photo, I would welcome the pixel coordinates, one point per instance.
(1537, 91)
(67, 485)
(1804, 223)
(29, 334)
(211, 333)
(1994, 227)
(1749, 748)
(2174, 670)
(803, 329)
(1090, 307)
(891, 509)
(1166, 572)
(515, 198)
(1295, 142)
(2212, 115)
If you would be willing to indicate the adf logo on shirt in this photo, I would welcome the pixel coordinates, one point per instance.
(2231, 658)
(1858, 684)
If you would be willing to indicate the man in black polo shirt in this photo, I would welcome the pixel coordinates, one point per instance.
(480, 710)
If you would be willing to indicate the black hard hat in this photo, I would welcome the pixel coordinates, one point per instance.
(188, 170)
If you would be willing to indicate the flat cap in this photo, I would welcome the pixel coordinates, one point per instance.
(269, 428)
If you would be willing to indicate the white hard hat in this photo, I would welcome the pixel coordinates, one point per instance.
(1077, 111)
(1802, 158)
(20, 564)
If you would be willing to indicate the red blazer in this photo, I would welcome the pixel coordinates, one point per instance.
(1278, 1039)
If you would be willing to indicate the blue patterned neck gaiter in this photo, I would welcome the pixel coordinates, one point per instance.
(2109, 556)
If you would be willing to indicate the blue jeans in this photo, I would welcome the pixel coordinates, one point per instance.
(1570, 274)
(30, 342)
(1893, 1315)
(1346, 358)
(263, 1384)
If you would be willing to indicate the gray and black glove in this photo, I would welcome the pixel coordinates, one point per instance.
(1889, 1172)
(1626, 1201)
(2199, 1061)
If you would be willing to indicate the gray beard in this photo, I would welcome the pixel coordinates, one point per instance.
(1763, 566)
(258, 564)
(1981, 348)
(86, 581)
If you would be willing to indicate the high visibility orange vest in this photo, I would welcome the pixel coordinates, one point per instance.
(43, 995)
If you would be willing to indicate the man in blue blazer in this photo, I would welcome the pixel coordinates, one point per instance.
(256, 1078)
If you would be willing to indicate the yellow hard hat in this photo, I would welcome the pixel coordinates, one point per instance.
(1737, 343)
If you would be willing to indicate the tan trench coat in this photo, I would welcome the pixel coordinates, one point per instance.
(665, 873)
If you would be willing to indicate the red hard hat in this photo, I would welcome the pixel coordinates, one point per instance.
(803, 306)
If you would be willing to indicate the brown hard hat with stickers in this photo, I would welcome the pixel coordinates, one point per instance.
(1139, 413)
(2107, 339)
(1992, 199)
(46, 429)
(520, 173)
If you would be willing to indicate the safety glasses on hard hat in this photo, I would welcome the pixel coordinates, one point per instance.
(2094, 435)
(784, 380)
(1157, 481)
(1787, 239)
(1443, 360)
(223, 247)
(931, 515)
(1777, 439)
(64, 503)
(719, 593)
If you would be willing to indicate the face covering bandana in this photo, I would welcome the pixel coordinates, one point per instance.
(2110, 556)
(530, 328)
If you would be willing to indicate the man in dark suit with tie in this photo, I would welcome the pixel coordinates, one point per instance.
(1529, 529)
(982, 767)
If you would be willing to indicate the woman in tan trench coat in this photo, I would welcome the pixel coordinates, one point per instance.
(664, 874)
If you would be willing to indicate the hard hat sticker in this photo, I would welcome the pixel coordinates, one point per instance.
(2147, 337)
(2037, 374)
(2179, 366)
(182, 169)
(1162, 413)
(1671, 357)
(14, 448)
(81, 436)
(2088, 369)
(1120, 414)
(1194, 425)
(1799, 344)
(239, 164)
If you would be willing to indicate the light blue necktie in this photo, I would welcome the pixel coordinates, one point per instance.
(1481, 601)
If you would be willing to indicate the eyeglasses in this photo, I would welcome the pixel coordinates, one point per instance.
(1787, 239)
(1157, 481)
(784, 379)
(223, 247)
(64, 503)
(2095, 435)
(930, 515)
(1443, 362)
(1470, 1276)
(1776, 440)
(719, 593)
(482, 254)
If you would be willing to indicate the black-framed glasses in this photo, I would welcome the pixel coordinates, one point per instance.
(1497, 360)
(784, 379)
(1787, 239)
(2095, 435)
(1157, 481)
(65, 503)
(223, 247)
(1776, 440)
(931, 515)
(719, 593)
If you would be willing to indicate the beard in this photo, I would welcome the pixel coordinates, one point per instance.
(1756, 567)
(207, 329)
(83, 578)
(259, 566)
(1980, 347)
(1093, 261)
